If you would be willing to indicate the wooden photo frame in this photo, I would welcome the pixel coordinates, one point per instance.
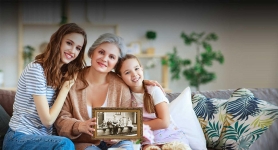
(118, 123)
(134, 48)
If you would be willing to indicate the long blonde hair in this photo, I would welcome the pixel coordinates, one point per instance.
(148, 99)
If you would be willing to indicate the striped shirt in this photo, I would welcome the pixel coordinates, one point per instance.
(25, 117)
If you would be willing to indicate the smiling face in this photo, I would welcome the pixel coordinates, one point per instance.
(105, 57)
(71, 46)
(132, 74)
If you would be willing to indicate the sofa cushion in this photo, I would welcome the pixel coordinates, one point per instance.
(7, 100)
(247, 118)
(211, 113)
(184, 116)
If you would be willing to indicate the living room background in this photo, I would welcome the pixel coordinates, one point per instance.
(248, 35)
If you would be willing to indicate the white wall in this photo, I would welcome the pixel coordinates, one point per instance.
(248, 35)
(8, 43)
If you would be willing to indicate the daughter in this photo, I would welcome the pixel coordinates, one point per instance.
(155, 107)
(42, 90)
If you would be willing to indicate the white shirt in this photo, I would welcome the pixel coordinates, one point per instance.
(89, 108)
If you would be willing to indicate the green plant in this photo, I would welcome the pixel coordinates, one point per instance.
(28, 54)
(197, 72)
(137, 141)
(151, 35)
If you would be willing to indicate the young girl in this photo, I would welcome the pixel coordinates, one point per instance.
(42, 89)
(154, 103)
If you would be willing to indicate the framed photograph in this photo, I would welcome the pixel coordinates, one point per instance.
(134, 48)
(118, 123)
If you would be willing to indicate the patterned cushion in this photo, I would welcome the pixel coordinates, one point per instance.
(246, 119)
(211, 113)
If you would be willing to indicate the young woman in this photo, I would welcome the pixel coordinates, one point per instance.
(154, 103)
(96, 86)
(42, 89)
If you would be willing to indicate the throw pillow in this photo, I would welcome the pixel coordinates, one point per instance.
(185, 118)
(246, 119)
(211, 113)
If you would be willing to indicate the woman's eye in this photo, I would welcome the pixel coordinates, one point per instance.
(101, 52)
(78, 48)
(126, 72)
(112, 57)
(69, 43)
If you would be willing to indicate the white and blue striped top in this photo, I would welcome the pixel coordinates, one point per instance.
(25, 117)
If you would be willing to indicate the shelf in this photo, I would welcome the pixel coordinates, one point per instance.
(149, 56)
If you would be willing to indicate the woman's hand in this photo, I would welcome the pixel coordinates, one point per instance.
(155, 83)
(87, 126)
(68, 84)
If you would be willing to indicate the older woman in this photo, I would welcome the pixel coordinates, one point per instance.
(96, 86)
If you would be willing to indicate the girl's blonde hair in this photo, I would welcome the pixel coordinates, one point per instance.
(148, 99)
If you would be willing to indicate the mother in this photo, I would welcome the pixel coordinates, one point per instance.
(96, 86)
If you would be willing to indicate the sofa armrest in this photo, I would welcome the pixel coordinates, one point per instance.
(7, 100)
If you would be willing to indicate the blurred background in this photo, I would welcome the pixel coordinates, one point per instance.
(247, 36)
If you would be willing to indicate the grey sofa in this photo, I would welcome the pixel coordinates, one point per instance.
(267, 141)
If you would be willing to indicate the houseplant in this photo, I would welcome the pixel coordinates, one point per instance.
(195, 72)
(28, 54)
(151, 36)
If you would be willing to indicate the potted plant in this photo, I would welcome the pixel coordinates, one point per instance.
(151, 36)
(27, 54)
(137, 145)
(196, 73)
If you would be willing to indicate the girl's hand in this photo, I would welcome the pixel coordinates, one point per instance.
(155, 83)
(87, 126)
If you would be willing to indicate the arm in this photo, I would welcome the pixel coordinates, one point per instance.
(154, 83)
(163, 118)
(49, 115)
(70, 122)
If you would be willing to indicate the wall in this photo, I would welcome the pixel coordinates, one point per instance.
(247, 36)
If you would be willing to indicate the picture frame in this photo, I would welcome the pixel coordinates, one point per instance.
(134, 48)
(118, 123)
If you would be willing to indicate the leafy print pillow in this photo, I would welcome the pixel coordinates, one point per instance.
(211, 113)
(246, 119)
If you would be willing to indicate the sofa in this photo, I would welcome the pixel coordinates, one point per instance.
(267, 140)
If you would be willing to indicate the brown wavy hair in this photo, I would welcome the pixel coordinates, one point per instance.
(50, 58)
(148, 99)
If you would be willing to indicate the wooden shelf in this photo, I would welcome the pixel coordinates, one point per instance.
(149, 56)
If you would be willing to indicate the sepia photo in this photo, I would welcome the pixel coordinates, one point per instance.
(118, 123)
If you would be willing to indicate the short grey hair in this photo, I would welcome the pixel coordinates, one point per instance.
(109, 38)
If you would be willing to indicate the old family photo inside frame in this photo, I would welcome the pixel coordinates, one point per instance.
(118, 123)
